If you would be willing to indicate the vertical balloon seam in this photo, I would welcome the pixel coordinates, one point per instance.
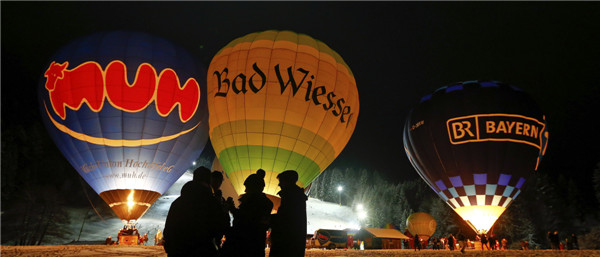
(271, 38)
(250, 38)
(264, 122)
(302, 179)
(243, 151)
(289, 102)
(322, 167)
(228, 59)
(84, 144)
(158, 144)
(174, 141)
(278, 148)
(164, 127)
(240, 153)
(200, 117)
(306, 174)
(305, 110)
(245, 119)
(72, 152)
(419, 160)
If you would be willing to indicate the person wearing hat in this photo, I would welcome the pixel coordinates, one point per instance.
(247, 237)
(288, 226)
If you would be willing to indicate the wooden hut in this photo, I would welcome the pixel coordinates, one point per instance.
(381, 238)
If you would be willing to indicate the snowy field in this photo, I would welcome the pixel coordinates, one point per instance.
(126, 251)
(319, 215)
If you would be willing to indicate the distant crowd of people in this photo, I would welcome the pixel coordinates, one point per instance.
(570, 242)
(460, 242)
(198, 222)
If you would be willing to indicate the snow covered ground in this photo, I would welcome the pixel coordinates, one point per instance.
(319, 215)
(125, 251)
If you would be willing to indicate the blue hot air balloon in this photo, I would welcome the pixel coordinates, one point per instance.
(476, 143)
(128, 111)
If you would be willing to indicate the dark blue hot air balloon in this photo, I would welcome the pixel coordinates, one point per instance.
(128, 111)
(476, 143)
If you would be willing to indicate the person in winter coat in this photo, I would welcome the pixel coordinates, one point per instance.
(461, 242)
(451, 242)
(417, 242)
(247, 237)
(224, 221)
(484, 241)
(288, 226)
(189, 227)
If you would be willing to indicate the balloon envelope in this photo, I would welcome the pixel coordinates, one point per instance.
(475, 143)
(125, 109)
(279, 101)
(422, 224)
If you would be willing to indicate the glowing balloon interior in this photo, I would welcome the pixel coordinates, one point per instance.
(127, 111)
(475, 143)
(279, 101)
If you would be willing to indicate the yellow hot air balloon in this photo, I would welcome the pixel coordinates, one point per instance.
(279, 101)
(422, 224)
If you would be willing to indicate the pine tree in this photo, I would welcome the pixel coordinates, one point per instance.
(596, 180)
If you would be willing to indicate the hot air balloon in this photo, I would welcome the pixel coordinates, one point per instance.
(279, 101)
(422, 224)
(128, 112)
(476, 143)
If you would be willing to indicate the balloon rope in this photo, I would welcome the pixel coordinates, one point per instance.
(88, 197)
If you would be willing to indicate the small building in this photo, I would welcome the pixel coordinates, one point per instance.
(381, 238)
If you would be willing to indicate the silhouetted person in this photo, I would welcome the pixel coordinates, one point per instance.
(525, 245)
(575, 241)
(461, 242)
(224, 221)
(417, 243)
(451, 242)
(288, 226)
(190, 226)
(484, 241)
(492, 241)
(247, 237)
(555, 241)
(108, 241)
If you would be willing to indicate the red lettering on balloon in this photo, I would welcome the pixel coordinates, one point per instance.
(119, 91)
(71, 88)
(169, 94)
(89, 84)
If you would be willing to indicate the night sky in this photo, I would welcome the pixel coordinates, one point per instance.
(397, 51)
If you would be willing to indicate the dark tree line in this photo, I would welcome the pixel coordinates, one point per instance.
(547, 203)
(33, 186)
(39, 185)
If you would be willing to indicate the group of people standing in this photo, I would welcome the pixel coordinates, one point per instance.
(493, 243)
(571, 241)
(460, 242)
(199, 219)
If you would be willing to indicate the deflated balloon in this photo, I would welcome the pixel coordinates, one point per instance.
(476, 143)
(279, 101)
(128, 112)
